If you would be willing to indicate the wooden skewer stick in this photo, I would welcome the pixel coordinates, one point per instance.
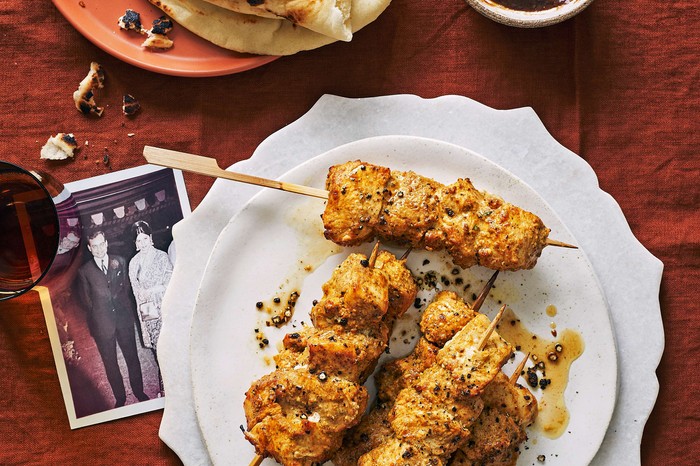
(559, 244)
(209, 166)
(256, 460)
(516, 373)
(404, 256)
(492, 327)
(373, 256)
(485, 292)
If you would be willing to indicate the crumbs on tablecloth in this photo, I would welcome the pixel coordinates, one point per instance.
(59, 147)
(84, 97)
(130, 106)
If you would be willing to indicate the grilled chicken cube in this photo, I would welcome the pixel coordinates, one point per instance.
(444, 317)
(463, 361)
(355, 191)
(349, 355)
(402, 285)
(494, 440)
(356, 296)
(433, 413)
(298, 417)
(372, 431)
(394, 452)
(410, 208)
(499, 431)
(400, 373)
(477, 228)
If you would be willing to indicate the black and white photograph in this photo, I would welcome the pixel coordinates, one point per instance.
(115, 263)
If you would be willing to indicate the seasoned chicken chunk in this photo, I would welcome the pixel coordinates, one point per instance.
(435, 413)
(356, 296)
(478, 228)
(402, 285)
(394, 452)
(463, 361)
(444, 317)
(498, 432)
(398, 374)
(299, 418)
(350, 355)
(410, 208)
(373, 430)
(355, 191)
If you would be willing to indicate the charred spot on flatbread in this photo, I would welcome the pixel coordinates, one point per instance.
(131, 21)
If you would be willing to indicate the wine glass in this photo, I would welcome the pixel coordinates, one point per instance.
(39, 229)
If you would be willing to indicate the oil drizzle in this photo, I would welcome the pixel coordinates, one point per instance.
(552, 361)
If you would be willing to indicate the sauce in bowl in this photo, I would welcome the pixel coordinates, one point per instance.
(530, 5)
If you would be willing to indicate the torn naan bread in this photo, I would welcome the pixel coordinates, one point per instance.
(257, 35)
(328, 17)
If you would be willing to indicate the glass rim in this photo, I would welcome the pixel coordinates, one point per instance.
(13, 294)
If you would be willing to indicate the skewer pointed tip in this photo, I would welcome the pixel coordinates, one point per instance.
(492, 327)
(484, 292)
(559, 244)
(516, 373)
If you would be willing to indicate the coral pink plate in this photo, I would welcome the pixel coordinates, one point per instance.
(190, 56)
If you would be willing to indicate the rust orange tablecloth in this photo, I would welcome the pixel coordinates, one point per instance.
(618, 85)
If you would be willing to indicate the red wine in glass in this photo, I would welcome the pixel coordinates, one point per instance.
(29, 229)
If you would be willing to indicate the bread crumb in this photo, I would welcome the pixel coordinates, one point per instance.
(84, 97)
(59, 147)
(130, 106)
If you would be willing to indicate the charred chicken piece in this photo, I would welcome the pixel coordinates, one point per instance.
(476, 228)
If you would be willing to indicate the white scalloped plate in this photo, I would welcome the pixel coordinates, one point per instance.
(516, 140)
(257, 254)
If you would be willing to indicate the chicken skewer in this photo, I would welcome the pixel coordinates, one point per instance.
(474, 227)
(298, 414)
(431, 419)
(440, 321)
(500, 428)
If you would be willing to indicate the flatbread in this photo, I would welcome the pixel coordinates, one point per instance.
(253, 34)
(328, 17)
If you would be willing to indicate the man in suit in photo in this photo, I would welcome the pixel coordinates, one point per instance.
(105, 292)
